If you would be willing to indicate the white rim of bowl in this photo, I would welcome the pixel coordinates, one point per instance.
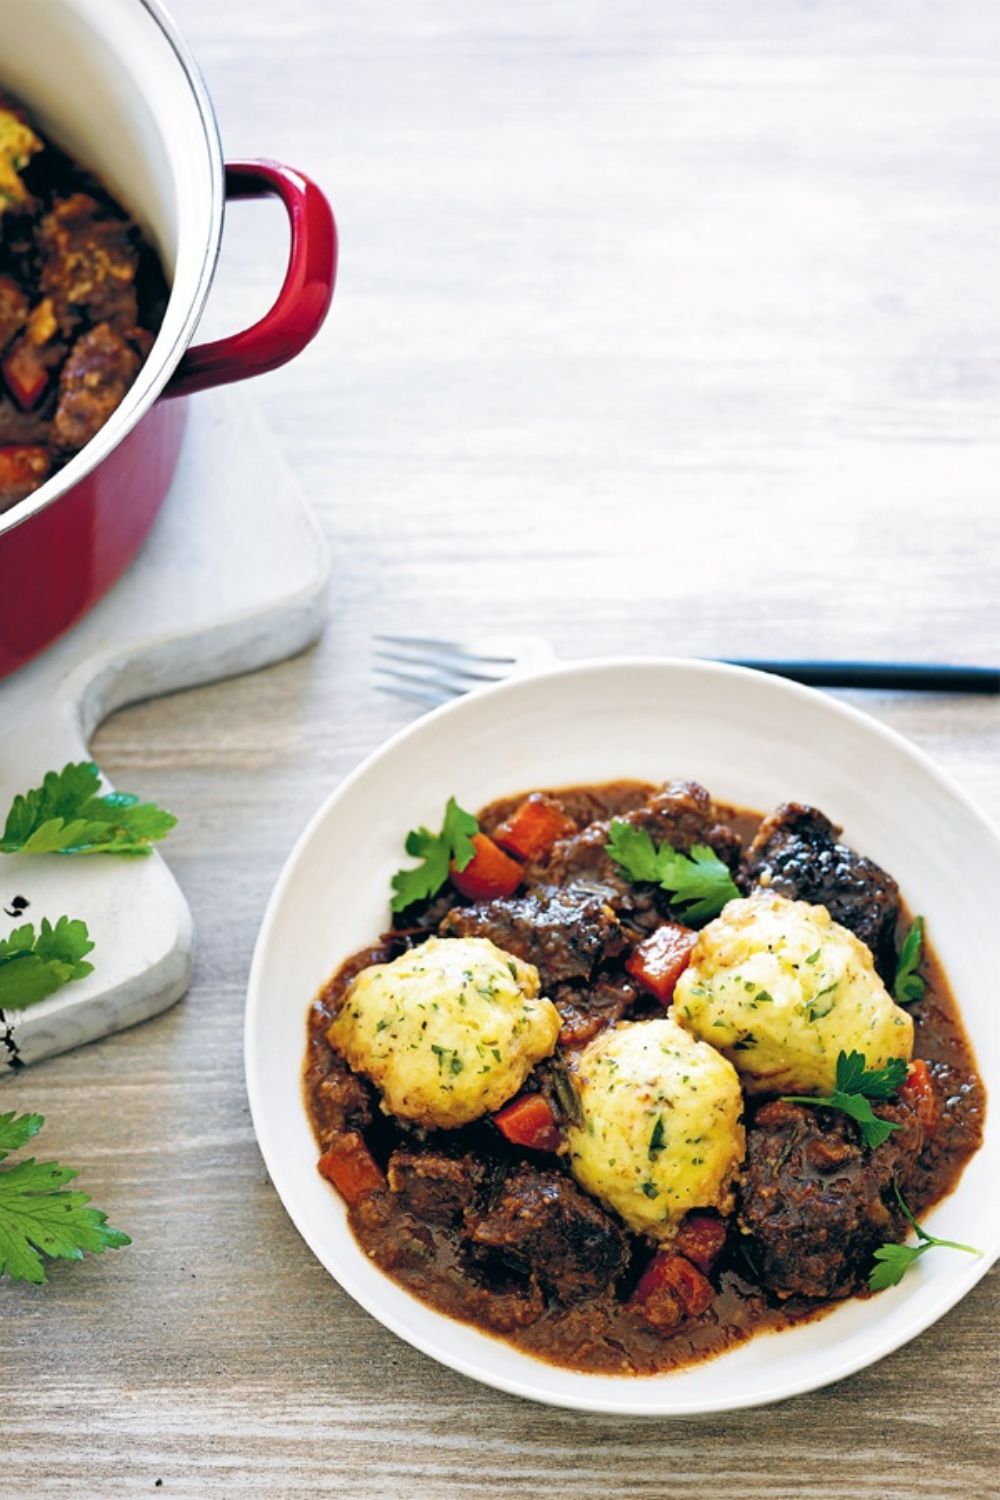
(523, 1387)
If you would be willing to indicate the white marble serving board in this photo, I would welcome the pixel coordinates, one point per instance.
(233, 577)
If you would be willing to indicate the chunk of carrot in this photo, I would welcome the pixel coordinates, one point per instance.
(529, 1121)
(673, 1273)
(660, 960)
(25, 375)
(533, 828)
(700, 1240)
(489, 874)
(918, 1088)
(352, 1169)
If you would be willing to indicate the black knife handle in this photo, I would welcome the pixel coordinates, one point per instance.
(902, 676)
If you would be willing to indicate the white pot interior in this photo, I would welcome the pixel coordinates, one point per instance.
(110, 82)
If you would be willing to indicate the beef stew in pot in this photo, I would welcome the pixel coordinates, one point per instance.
(82, 294)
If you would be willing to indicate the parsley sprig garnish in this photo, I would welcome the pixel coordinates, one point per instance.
(436, 851)
(698, 882)
(908, 985)
(68, 814)
(855, 1085)
(893, 1261)
(565, 1090)
(35, 965)
(36, 1217)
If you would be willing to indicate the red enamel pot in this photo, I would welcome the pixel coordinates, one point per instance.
(116, 86)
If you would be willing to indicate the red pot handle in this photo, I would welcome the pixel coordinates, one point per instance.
(304, 299)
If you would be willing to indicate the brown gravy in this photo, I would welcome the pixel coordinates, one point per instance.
(599, 1333)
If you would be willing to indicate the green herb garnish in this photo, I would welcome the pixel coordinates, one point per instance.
(436, 851)
(658, 1139)
(455, 1064)
(68, 814)
(855, 1085)
(893, 1261)
(36, 1218)
(35, 965)
(565, 1091)
(815, 1009)
(908, 985)
(698, 882)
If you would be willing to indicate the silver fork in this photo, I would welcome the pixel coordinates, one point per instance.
(431, 671)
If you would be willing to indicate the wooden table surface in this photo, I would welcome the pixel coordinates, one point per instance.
(661, 328)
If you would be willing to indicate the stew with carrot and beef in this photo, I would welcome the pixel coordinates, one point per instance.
(82, 294)
(635, 1076)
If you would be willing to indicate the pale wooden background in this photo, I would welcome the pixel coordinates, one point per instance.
(661, 327)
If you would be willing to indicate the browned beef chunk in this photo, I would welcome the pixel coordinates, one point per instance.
(584, 861)
(395, 1240)
(89, 264)
(343, 1101)
(599, 803)
(94, 380)
(680, 814)
(13, 310)
(544, 1227)
(585, 1008)
(503, 1308)
(796, 853)
(401, 1240)
(565, 933)
(434, 1187)
(17, 426)
(960, 1110)
(815, 1203)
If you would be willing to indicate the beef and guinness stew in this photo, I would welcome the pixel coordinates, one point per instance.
(635, 1076)
(82, 294)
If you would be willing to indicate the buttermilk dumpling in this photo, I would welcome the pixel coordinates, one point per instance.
(781, 989)
(660, 1131)
(448, 1031)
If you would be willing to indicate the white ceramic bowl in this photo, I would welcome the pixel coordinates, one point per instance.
(751, 739)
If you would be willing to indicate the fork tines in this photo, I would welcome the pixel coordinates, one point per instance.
(432, 671)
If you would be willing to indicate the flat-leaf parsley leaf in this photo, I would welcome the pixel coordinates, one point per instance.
(36, 1217)
(855, 1085)
(893, 1261)
(909, 985)
(698, 882)
(68, 814)
(35, 965)
(17, 1130)
(436, 851)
